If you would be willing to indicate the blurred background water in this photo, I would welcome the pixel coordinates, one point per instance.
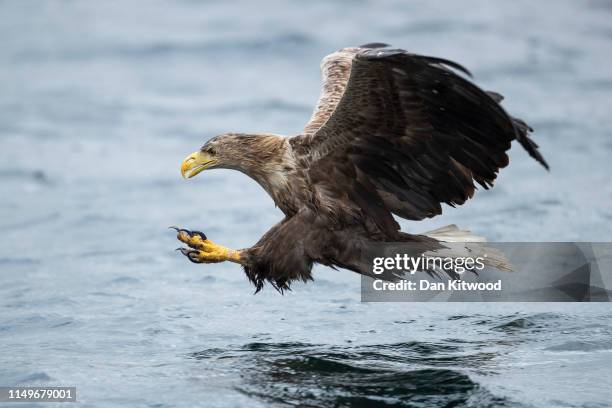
(100, 102)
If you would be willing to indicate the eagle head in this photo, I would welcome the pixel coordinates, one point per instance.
(243, 152)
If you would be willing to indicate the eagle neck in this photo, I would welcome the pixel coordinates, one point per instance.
(274, 172)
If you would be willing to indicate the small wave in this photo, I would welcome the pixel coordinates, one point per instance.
(34, 377)
(579, 345)
(19, 261)
(324, 381)
(35, 322)
(276, 347)
(537, 321)
(38, 176)
(32, 222)
(262, 107)
(400, 374)
(125, 280)
(516, 324)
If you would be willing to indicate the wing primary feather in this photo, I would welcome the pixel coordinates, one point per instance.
(497, 97)
(444, 61)
(387, 53)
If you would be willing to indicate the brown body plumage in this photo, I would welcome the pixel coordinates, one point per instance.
(392, 133)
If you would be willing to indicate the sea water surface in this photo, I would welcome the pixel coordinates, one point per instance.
(101, 101)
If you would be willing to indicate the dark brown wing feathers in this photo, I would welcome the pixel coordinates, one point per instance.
(420, 133)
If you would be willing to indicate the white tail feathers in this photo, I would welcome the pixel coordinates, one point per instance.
(452, 233)
(463, 244)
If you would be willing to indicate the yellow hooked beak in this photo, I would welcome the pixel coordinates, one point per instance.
(195, 163)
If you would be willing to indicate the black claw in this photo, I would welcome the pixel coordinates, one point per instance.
(191, 254)
(190, 233)
(179, 230)
(200, 234)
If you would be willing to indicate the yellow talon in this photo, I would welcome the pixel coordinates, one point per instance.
(204, 250)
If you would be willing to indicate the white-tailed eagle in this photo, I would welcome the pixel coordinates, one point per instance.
(392, 133)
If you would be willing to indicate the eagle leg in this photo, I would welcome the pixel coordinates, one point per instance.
(203, 250)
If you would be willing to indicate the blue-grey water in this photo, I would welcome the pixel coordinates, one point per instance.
(99, 103)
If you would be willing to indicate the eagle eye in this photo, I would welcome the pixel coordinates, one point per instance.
(211, 150)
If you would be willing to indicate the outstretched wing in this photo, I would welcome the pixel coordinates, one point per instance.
(412, 132)
(335, 72)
